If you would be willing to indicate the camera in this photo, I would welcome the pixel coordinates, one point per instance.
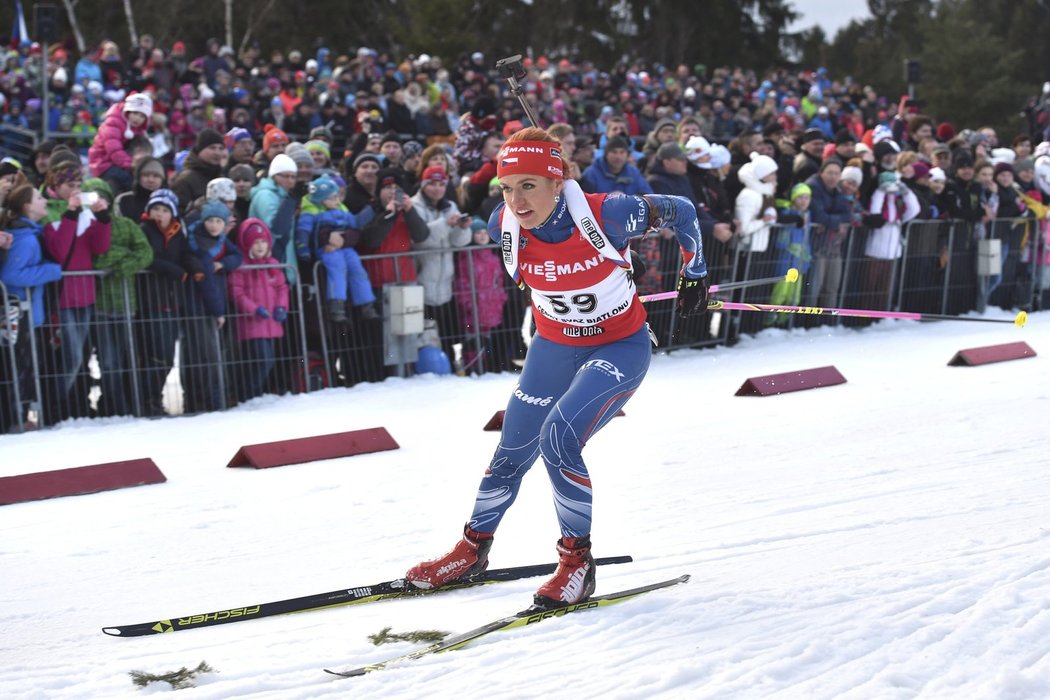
(511, 67)
(88, 199)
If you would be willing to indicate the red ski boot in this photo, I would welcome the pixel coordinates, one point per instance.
(470, 556)
(574, 580)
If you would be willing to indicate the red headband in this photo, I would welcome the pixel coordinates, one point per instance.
(541, 158)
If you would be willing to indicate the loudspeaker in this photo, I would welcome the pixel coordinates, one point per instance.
(45, 15)
(912, 71)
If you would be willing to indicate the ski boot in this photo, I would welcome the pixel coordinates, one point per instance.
(470, 556)
(573, 581)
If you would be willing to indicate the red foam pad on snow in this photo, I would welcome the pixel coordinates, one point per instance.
(311, 449)
(496, 422)
(78, 480)
(992, 353)
(772, 384)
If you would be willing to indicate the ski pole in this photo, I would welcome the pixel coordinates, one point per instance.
(716, 304)
(791, 276)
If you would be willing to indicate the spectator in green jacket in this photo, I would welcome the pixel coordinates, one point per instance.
(129, 252)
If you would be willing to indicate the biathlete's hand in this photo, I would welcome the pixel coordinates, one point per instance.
(692, 296)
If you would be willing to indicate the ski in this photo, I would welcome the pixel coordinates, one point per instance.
(528, 616)
(397, 588)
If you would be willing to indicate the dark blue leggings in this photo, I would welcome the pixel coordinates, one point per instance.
(566, 394)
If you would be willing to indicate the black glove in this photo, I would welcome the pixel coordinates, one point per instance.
(873, 220)
(692, 296)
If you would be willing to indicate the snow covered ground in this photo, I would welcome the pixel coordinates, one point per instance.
(885, 538)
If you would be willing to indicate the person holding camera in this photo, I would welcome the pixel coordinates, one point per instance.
(590, 354)
(395, 228)
(82, 232)
(449, 228)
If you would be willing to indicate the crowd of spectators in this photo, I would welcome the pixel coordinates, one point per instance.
(221, 181)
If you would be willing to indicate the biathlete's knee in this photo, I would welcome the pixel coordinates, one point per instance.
(560, 443)
(510, 467)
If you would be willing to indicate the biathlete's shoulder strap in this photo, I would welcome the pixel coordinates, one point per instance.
(582, 215)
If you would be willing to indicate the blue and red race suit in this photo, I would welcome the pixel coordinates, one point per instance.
(591, 352)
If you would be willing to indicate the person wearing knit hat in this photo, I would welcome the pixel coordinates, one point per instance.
(800, 190)
(282, 164)
(274, 141)
(304, 162)
(216, 257)
(221, 189)
(366, 157)
(945, 132)
(434, 174)
(813, 134)
(322, 133)
(240, 145)
(108, 155)
(754, 204)
(10, 177)
(235, 136)
(164, 198)
(321, 189)
(613, 173)
(810, 155)
(214, 209)
(698, 151)
(9, 166)
(852, 173)
(938, 181)
(411, 155)
(261, 291)
(328, 231)
(920, 170)
(793, 252)
(390, 148)
(269, 199)
(207, 137)
(410, 149)
(891, 205)
(880, 133)
(63, 181)
(886, 152)
(117, 302)
(321, 153)
(79, 230)
(962, 158)
(202, 165)
(243, 176)
(361, 188)
(449, 228)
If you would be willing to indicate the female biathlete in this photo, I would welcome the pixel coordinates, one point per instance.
(591, 350)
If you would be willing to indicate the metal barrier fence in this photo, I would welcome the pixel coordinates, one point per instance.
(147, 346)
(17, 142)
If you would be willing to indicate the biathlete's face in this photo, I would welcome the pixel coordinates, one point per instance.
(530, 197)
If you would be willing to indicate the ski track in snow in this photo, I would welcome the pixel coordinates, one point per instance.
(884, 538)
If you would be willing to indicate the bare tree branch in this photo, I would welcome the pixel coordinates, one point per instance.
(71, 13)
(131, 22)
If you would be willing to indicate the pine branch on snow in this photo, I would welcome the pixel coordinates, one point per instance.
(384, 636)
(183, 678)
